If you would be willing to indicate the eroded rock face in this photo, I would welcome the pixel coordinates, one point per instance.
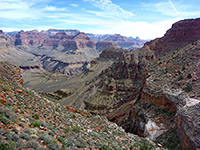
(30, 38)
(181, 34)
(188, 124)
(125, 42)
(52, 32)
(112, 52)
(5, 40)
(101, 45)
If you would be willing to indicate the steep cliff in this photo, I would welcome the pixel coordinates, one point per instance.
(181, 34)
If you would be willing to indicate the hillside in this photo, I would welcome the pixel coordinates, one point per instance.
(30, 122)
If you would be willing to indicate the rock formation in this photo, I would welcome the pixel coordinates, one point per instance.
(181, 34)
(52, 32)
(125, 42)
(116, 39)
(33, 37)
(146, 91)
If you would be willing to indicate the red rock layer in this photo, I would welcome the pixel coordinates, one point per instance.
(182, 33)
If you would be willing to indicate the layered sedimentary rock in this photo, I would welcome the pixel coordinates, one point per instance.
(182, 33)
(112, 52)
(124, 42)
(52, 32)
(33, 37)
(101, 45)
(118, 40)
(65, 50)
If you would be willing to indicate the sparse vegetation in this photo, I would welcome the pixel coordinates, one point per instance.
(189, 76)
(188, 87)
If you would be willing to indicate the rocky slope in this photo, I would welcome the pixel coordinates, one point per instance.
(30, 122)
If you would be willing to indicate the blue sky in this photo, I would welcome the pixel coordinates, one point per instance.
(146, 19)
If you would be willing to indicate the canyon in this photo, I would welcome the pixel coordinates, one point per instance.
(57, 50)
(152, 92)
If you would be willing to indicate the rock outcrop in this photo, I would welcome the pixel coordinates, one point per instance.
(181, 34)
(101, 45)
(124, 42)
(188, 126)
(112, 52)
(118, 40)
(52, 32)
(33, 37)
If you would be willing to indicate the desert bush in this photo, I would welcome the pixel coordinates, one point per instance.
(76, 129)
(7, 113)
(32, 144)
(188, 87)
(4, 120)
(189, 76)
(20, 144)
(5, 145)
(36, 116)
(25, 136)
(53, 145)
(46, 139)
(180, 78)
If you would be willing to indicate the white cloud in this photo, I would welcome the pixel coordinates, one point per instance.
(109, 9)
(142, 29)
(26, 28)
(173, 9)
(74, 5)
(53, 8)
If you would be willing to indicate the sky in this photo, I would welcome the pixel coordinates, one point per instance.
(147, 19)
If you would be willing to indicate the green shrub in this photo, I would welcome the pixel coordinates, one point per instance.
(32, 144)
(7, 113)
(21, 124)
(183, 68)
(25, 136)
(188, 87)
(20, 144)
(189, 76)
(4, 145)
(36, 124)
(180, 78)
(73, 116)
(53, 145)
(76, 129)
(46, 139)
(4, 120)
(36, 116)
(105, 147)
